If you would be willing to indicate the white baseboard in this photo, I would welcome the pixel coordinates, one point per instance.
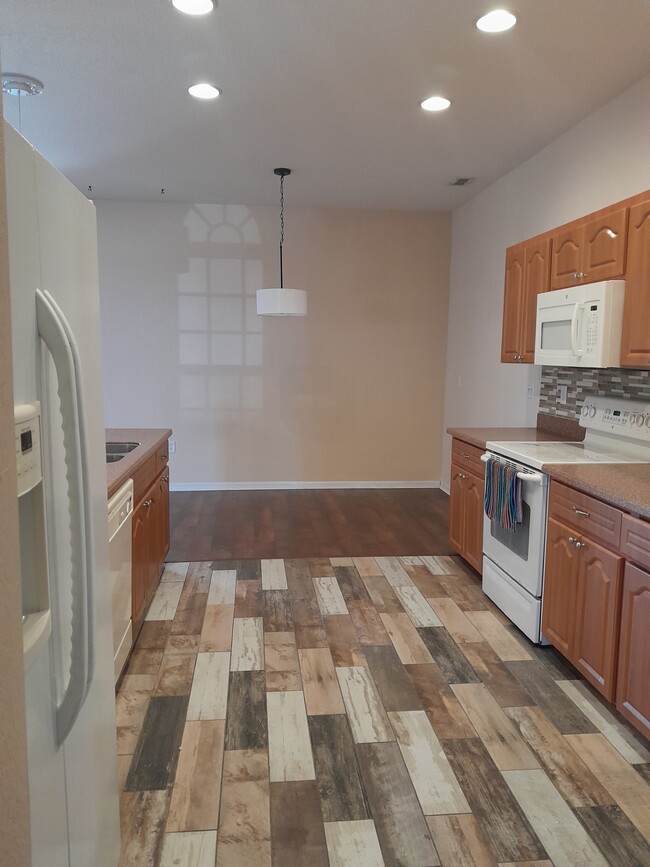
(291, 486)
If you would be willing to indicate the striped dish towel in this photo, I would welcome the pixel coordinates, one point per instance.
(503, 500)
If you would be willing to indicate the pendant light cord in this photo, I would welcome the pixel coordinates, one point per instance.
(281, 226)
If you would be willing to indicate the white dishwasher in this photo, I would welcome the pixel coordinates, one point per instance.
(120, 513)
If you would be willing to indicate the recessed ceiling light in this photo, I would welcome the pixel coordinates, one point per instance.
(193, 7)
(204, 91)
(496, 21)
(435, 103)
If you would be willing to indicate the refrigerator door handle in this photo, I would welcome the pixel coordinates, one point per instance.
(54, 336)
(87, 499)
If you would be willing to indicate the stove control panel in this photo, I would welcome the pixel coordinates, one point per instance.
(629, 418)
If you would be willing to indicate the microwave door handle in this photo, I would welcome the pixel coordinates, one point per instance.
(575, 324)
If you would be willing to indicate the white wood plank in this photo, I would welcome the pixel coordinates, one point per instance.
(164, 603)
(565, 840)
(353, 844)
(436, 565)
(434, 781)
(505, 645)
(365, 711)
(175, 572)
(395, 573)
(411, 561)
(222, 587)
(329, 596)
(274, 576)
(189, 849)
(290, 756)
(209, 695)
(628, 746)
(247, 652)
(417, 607)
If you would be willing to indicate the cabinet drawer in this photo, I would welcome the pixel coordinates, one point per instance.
(635, 540)
(143, 477)
(585, 514)
(467, 457)
(162, 458)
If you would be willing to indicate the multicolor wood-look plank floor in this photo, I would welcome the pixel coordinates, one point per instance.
(358, 712)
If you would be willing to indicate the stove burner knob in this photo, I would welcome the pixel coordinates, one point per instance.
(633, 418)
(585, 410)
(647, 421)
(592, 411)
(640, 420)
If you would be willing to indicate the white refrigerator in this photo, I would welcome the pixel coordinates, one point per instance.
(69, 685)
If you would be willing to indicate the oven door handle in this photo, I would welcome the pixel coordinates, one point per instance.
(535, 478)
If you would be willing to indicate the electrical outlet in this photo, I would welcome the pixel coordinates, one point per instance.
(530, 392)
(561, 393)
(172, 446)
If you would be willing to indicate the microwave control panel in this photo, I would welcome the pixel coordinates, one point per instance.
(592, 328)
(27, 433)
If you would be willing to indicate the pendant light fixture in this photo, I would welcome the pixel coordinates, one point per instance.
(281, 302)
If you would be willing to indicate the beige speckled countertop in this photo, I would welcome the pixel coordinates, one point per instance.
(478, 436)
(150, 439)
(626, 486)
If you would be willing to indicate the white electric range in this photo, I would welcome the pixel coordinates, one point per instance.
(617, 431)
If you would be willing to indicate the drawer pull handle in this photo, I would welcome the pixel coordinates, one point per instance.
(464, 454)
(581, 512)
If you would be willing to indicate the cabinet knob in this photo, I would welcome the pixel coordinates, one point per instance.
(574, 275)
(571, 540)
(164, 458)
(166, 478)
(147, 503)
(580, 544)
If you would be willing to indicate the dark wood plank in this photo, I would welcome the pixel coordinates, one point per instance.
(503, 685)
(277, 611)
(175, 674)
(248, 598)
(492, 802)
(443, 709)
(644, 770)
(352, 587)
(367, 623)
(310, 636)
(545, 692)
(144, 661)
(225, 526)
(320, 567)
(430, 586)
(198, 577)
(395, 687)
(154, 634)
(245, 569)
(246, 726)
(190, 613)
(337, 774)
(297, 832)
(448, 657)
(552, 660)
(403, 834)
(156, 753)
(343, 642)
(143, 816)
(614, 834)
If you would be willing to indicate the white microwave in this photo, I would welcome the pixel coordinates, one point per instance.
(580, 326)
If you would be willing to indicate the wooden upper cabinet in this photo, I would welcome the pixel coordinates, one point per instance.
(527, 274)
(512, 303)
(590, 251)
(635, 342)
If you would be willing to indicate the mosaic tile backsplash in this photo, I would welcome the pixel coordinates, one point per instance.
(582, 383)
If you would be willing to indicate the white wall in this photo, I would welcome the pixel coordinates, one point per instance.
(351, 393)
(603, 159)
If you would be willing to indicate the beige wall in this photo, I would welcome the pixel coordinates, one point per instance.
(351, 393)
(14, 799)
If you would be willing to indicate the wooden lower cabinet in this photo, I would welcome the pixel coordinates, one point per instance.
(150, 535)
(466, 515)
(581, 609)
(633, 687)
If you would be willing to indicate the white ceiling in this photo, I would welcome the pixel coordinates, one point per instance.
(330, 88)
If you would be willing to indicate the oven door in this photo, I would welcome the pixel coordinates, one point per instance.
(520, 553)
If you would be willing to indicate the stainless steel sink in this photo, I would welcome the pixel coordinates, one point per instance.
(120, 448)
(116, 451)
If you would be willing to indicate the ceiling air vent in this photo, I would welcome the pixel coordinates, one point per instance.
(461, 182)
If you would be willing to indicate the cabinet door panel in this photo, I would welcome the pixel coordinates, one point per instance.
(512, 304)
(473, 520)
(604, 246)
(635, 343)
(566, 257)
(456, 508)
(536, 280)
(559, 600)
(597, 616)
(633, 693)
